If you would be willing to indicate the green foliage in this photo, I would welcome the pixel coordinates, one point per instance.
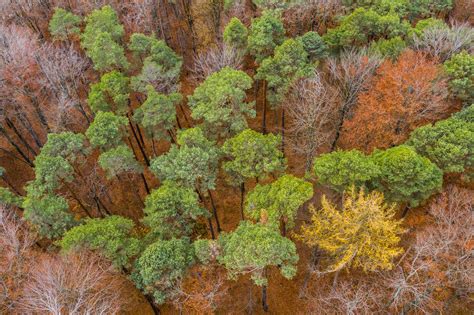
(220, 102)
(266, 33)
(119, 160)
(160, 69)
(449, 144)
(467, 114)
(111, 236)
(314, 46)
(49, 215)
(51, 172)
(102, 20)
(63, 24)
(340, 170)
(193, 164)
(107, 130)
(406, 176)
(253, 247)
(235, 34)
(425, 24)
(389, 48)
(111, 94)
(279, 200)
(363, 25)
(204, 250)
(171, 211)
(460, 69)
(275, 4)
(101, 38)
(252, 155)
(161, 266)
(289, 64)
(157, 114)
(8, 198)
(140, 44)
(65, 144)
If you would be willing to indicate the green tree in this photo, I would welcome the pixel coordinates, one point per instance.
(157, 114)
(171, 211)
(279, 201)
(405, 176)
(314, 46)
(425, 24)
(235, 34)
(140, 44)
(448, 143)
(67, 145)
(220, 102)
(111, 236)
(161, 266)
(266, 33)
(111, 94)
(363, 25)
(252, 155)
(340, 170)
(389, 48)
(106, 54)
(363, 234)
(252, 248)
(467, 114)
(460, 69)
(119, 160)
(107, 130)
(64, 24)
(51, 172)
(48, 213)
(161, 69)
(8, 198)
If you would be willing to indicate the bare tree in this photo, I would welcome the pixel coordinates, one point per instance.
(214, 59)
(350, 74)
(443, 42)
(312, 109)
(80, 283)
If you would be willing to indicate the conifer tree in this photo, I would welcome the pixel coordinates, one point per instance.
(119, 160)
(107, 130)
(266, 33)
(63, 24)
(111, 94)
(235, 34)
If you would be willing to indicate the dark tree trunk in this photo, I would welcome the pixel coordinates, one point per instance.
(264, 298)
(242, 194)
(140, 147)
(264, 113)
(17, 148)
(214, 211)
(283, 131)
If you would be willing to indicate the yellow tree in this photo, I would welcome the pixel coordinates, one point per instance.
(363, 234)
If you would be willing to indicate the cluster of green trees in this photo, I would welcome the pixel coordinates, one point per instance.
(158, 250)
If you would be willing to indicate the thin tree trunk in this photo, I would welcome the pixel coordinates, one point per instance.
(283, 130)
(264, 298)
(74, 196)
(17, 148)
(140, 147)
(211, 228)
(264, 113)
(147, 188)
(9, 184)
(405, 211)
(214, 211)
(19, 135)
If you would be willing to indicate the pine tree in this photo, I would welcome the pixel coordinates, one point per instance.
(111, 94)
(63, 24)
(107, 130)
(266, 33)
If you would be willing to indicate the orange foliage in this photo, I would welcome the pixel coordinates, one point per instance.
(404, 95)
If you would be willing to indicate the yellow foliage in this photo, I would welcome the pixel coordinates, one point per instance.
(363, 234)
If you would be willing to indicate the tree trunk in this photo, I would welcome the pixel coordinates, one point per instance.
(264, 113)
(264, 298)
(283, 130)
(147, 188)
(140, 147)
(405, 211)
(17, 148)
(242, 193)
(214, 211)
(283, 226)
(211, 228)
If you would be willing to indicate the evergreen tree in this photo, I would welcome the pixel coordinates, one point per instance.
(279, 201)
(67, 145)
(460, 69)
(314, 46)
(107, 130)
(235, 34)
(111, 94)
(63, 24)
(220, 102)
(119, 160)
(266, 33)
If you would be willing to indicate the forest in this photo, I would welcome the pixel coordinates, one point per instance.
(237, 157)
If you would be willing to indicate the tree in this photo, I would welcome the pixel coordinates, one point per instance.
(460, 69)
(161, 69)
(448, 143)
(252, 155)
(49, 214)
(235, 34)
(110, 236)
(311, 107)
(220, 102)
(364, 234)
(215, 59)
(157, 115)
(363, 25)
(389, 48)
(111, 94)
(80, 282)
(161, 266)
(101, 38)
(340, 170)
(9, 198)
(314, 46)
(288, 64)
(266, 33)
(405, 176)
(404, 95)
(50, 173)
(171, 211)
(64, 24)
(119, 160)
(140, 44)
(67, 145)
(252, 248)
(278, 202)
(107, 130)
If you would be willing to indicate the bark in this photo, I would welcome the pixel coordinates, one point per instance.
(264, 114)
(264, 298)
(214, 211)
(242, 194)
